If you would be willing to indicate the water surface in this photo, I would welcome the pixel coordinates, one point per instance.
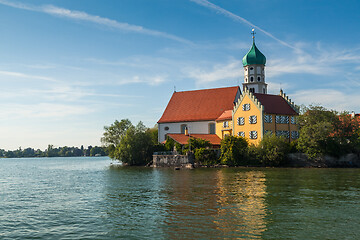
(86, 198)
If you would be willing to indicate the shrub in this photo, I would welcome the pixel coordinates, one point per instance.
(204, 156)
(234, 151)
(272, 151)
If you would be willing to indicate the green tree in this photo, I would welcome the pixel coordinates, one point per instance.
(195, 143)
(323, 132)
(136, 146)
(205, 156)
(113, 135)
(234, 151)
(51, 151)
(272, 150)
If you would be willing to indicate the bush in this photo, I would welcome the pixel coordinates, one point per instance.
(234, 151)
(204, 156)
(272, 151)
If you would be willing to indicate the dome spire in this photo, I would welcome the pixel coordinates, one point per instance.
(253, 34)
(254, 69)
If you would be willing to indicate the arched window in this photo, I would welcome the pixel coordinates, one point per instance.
(259, 79)
(251, 79)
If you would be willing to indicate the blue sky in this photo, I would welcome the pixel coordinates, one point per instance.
(67, 68)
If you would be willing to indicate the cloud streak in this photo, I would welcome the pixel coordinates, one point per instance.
(83, 16)
(237, 18)
(231, 70)
(27, 76)
(330, 98)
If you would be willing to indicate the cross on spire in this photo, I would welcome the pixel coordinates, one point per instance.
(253, 34)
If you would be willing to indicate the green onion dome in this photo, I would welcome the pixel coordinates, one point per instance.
(254, 56)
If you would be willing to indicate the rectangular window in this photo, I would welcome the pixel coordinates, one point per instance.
(182, 128)
(226, 124)
(246, 107)
(268, 132)
(294, 134)
(268, 118)
(211, 128)
(284, 134)
(252, 119)
(241, 134)
(241, 121)
(293, 120)
(282, 119)
(253, 135)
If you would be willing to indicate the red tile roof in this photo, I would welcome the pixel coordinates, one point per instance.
(199, 105)
(225, 115)
(183, 139)
(275, 104)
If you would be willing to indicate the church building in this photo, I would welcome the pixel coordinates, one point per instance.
(211, 114)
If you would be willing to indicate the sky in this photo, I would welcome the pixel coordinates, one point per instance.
(68, 68)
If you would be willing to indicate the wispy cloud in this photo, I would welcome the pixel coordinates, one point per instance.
(26, 76)
(41, 110)
(329, 98)
(83, 16)
(237, 18)
(233, 69)
(322, 61)
(154, 80)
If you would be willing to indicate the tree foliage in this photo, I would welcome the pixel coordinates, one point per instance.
(51, 151)
(233, 151)
(272, 151)
(196, 143)
(132, 145)
(206, 156)
(114, 133)
(326, 132)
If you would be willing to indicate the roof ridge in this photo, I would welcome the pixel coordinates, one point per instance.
(206, 89)
(288, 100)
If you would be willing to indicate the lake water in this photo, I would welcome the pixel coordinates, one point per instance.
(85, 198)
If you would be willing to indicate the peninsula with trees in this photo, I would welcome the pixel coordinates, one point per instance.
(240, 127)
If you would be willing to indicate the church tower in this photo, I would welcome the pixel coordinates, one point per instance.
(254, 70)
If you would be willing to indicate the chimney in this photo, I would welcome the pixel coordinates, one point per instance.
(352, 114)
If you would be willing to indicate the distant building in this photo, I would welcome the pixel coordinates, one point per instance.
(211, 114)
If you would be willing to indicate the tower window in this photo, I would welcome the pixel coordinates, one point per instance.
(251, 68)
(245, 79)
(252, 90)
(251, 79)
(259, 79)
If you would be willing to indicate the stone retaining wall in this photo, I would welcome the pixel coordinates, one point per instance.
(173, 160)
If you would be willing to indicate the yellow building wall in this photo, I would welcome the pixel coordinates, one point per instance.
(247, 127)
(221, 131)
(273, 127)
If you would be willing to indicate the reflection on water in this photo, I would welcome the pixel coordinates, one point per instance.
(85, 198)
(241, 204)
